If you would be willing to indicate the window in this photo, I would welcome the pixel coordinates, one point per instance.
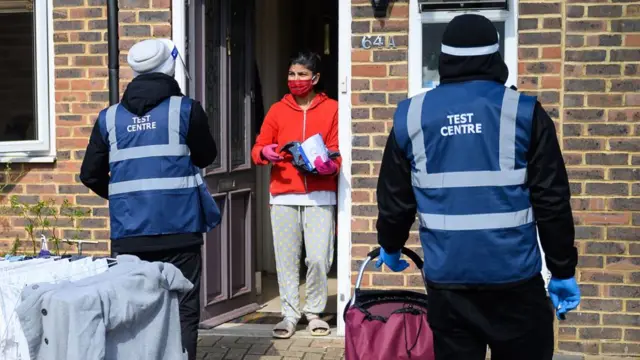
(428, 20)
(431, 39)
(26, 117)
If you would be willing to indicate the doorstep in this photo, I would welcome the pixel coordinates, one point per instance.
(261, 331)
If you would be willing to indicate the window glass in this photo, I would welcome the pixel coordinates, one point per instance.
(431, 42)
(17, 72)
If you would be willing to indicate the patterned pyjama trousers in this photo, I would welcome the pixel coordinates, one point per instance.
(316, 225)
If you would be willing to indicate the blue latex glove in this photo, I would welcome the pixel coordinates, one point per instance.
(392, 261)
(565, 295)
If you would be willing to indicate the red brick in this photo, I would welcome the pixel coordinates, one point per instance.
(87, 108)
(632, 99)
(366, 280)
(62, 84)
(361, 197)
(56, 178)
(632, 40)
(527, 83)
(162, 4)
(361, 56)
(387, 280)
(360, 251)
(41, 189)
(369, 71)
(604, 218)
(88, 84)
(600, 333)
(551, 82)
(73, 143)
(390, 25)
(359, 225)
(390, 85)
(85, 13)
(552, 53)
(71, 96)
(62, 132)
(161, 30)
(399, 11)
(624, 115)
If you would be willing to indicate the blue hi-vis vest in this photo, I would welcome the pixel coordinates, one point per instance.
(154, 188)
(467, 144)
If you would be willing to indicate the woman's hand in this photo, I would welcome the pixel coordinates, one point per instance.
(269, 153)
(328, 167)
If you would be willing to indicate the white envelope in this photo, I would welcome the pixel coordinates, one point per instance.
(312, 148)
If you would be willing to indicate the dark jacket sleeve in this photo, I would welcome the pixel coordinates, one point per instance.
(199, 138)
(396, 200)
(94, 172)
(550, 197)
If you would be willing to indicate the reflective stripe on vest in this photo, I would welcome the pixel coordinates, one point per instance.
(506, 176)
(185, 182)
(477, 221)
(174, 148)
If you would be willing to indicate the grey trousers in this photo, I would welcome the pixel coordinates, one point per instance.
(316, 226)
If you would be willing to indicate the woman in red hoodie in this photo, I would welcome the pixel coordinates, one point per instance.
(302, 204)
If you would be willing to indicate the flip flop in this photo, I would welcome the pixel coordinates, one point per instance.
(318, 327)
(284, 329)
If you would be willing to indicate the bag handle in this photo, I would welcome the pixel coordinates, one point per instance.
(376, 252)
(405, 251)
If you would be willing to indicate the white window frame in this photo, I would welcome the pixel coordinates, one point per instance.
(42, 150)
(416, 19)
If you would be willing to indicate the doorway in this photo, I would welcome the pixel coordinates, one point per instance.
(283, 28)
(238, 52)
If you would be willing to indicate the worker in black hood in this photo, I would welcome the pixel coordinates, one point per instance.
(145, 156)
(481, 167)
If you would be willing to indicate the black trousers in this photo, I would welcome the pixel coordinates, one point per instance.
(516, 323)
(189, 261)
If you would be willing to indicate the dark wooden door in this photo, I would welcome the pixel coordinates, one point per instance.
(224, 65)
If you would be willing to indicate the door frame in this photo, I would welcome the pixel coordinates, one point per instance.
(179, 35)
(344, 183)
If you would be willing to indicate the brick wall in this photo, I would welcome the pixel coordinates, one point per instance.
(582, 59)
(379, 82)
(81, 91)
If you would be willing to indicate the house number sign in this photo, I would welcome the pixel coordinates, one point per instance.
(369, 42)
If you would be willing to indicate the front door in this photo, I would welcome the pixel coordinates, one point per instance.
(223, 58)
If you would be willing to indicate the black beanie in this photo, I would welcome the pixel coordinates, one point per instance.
(471, 51)
(470, 35)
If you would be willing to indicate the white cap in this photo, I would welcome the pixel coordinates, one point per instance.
(153, 56)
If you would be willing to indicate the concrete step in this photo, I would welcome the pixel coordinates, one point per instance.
(262, 331)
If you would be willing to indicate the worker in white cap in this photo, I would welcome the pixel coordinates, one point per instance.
(145, 156)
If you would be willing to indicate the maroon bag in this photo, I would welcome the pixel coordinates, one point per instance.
(387, 324)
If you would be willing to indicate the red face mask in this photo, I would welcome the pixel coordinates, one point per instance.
(300, 87)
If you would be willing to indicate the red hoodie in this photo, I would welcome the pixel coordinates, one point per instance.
(286, 122)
